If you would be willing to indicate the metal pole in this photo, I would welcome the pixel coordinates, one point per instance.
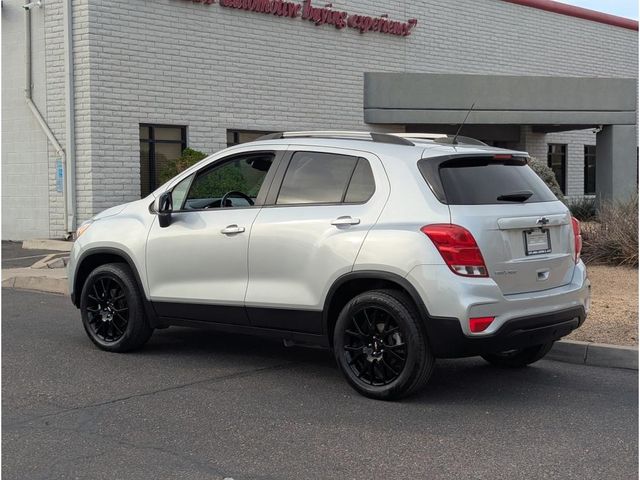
(70, 123)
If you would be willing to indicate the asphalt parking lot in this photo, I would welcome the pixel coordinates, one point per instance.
(14, 256)
(201, 405)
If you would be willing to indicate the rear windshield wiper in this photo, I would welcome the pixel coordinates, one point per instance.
(522, 196)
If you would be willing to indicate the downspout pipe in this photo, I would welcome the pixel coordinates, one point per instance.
(70, 123)
(28, 92)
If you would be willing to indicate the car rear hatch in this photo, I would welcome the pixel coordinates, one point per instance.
(524, 233)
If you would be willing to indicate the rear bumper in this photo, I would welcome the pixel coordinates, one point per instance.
(448, 341)
(520, 320)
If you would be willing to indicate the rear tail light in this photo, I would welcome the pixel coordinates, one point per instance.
(577, 237)
(458, 249)
(480, 324)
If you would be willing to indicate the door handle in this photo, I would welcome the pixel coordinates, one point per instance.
(346, 220)
(231, 229)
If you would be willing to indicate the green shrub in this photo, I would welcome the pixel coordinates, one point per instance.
(547, 176)
(583, 209)
(216, 184)
(613, 238)
(171, 169)
(220, 181)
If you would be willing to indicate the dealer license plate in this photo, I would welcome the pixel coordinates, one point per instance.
(537, 242)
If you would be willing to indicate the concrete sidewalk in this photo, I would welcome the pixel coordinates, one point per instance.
(36, 265)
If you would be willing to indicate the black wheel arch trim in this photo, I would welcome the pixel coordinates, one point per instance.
(75, 294)
(374, 275)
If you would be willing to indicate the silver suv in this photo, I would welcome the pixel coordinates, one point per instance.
(392, 250)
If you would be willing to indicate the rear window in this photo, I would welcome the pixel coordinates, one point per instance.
(485, 180)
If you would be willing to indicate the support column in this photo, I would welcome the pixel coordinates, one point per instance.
(616, 162)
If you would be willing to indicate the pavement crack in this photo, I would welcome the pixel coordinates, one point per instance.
(215, 379)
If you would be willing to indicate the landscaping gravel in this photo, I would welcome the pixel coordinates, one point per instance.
(614, 307)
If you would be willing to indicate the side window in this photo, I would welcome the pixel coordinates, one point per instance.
(314, 177)
(160, 145)
(589, 169)
(239, 179)
(362, 185)
(180, 192)
(557, 160)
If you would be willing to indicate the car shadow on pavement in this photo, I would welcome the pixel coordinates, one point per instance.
(462, 381)
(193, 341)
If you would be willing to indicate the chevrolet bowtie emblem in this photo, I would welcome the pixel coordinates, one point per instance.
(542, 221)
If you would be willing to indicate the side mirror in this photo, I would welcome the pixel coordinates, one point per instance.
(164, 207)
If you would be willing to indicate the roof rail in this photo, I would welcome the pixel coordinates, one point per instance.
(421, 136)
(374, 136)
(440, 138)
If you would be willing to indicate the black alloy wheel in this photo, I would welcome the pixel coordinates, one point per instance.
(112, 309)
(380, 345)
(374, 346)
(107, 308)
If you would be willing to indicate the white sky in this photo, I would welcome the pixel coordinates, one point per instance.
(622, 8)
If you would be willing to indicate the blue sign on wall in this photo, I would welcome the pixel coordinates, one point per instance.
(59, 176)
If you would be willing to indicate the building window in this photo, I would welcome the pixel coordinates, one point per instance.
(159, 145)
(236, 137)
(557, 161)
(589, 169)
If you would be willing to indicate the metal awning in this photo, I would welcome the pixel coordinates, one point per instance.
(421, 98)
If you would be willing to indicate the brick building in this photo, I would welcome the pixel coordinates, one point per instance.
(97, 95)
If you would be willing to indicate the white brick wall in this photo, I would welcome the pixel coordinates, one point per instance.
(214, 68)
(54, 34)
(25, 184)
(55, 113)
(537, 144)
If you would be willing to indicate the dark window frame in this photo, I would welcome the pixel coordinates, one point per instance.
(564, 153)
(274, 192)
(236, 135)
(151, 141)
(589, 153)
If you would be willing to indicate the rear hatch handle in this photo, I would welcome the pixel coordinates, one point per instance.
(539, 221)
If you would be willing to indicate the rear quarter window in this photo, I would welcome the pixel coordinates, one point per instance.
(484, 180)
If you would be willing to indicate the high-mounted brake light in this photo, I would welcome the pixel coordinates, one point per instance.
(577, 238)
(480, 324)
(503, 156)
(458, 249)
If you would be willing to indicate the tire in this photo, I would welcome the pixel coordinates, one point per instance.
(370, 323)
(112, 310)
(518, 358)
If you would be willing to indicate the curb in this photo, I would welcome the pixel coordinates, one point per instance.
(37, 283)
(51, 261)
(47, 244)
(594, 354)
